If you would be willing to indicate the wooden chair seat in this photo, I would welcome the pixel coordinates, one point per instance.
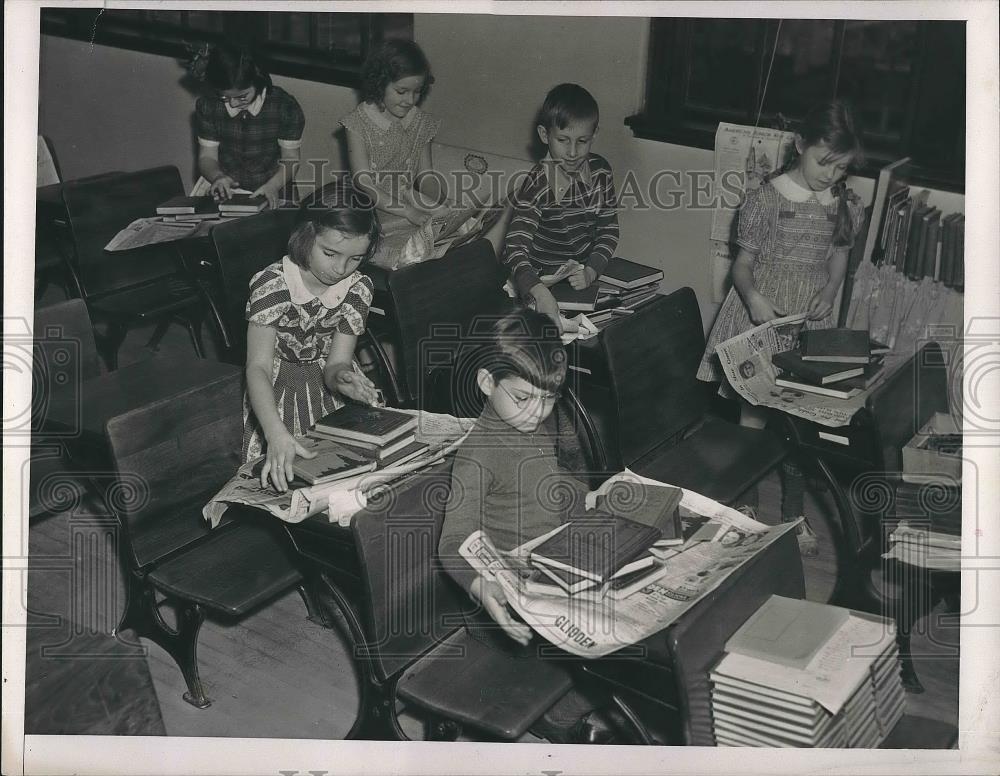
(720, 460)
(233, 571)
(152, 300)
(484, 688)
(156, 538)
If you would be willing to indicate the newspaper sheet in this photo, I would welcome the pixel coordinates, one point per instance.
(588, 625)
(343, 498)
(744, 156)
(746, 362)
(149, 231)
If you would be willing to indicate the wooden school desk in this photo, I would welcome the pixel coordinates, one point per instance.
(666, 676)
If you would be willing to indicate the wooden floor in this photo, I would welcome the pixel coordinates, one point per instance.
(276, 674)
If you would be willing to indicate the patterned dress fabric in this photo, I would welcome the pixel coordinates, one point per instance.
(305, 325)
(790, 229)
(394, 149)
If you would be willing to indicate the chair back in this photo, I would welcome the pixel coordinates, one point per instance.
(243, 247)
(904, 402)
(171, 456)
(411, 606)
(436, 302)
(101, 207)
(652, 359)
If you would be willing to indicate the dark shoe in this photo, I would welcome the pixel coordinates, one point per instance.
(601, 726)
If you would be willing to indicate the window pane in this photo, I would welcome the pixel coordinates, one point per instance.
(289, 28)
(802, 71)
(723, 63)
(209, 21)
(339, 32)
(877, 74)
(173, 18)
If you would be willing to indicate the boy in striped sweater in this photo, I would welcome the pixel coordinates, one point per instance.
(565, 221)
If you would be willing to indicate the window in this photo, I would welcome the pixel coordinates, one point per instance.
(328, 47)
(906, 80)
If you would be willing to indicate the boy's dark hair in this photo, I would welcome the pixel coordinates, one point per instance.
(234, 67)
(565, 103)
(526, 344)
(393, 60)
(353, 221)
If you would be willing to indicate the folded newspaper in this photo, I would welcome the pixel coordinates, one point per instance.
(746, 362)
(343, 498)
(588, 625)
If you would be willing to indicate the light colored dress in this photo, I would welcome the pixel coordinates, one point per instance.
(790, 229)
(306, 325)
(394, 148)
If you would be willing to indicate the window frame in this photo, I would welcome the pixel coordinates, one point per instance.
(663, 116)
(281, 58)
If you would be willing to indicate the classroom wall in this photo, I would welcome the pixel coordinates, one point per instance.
(104, 109)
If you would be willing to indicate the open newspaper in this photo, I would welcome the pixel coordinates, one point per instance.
(589, 625)
(343, 498)
(746, 362)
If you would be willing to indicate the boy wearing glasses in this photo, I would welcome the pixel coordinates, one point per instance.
(507, 482)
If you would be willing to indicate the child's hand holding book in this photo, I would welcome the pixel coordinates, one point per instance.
(280, 460)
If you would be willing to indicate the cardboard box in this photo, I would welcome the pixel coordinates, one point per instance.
(922, 462)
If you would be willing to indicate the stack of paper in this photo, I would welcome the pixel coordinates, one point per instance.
(802, 674)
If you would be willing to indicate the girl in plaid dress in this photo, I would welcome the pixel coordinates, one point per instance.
(794, 235)
(249, 130)
(305, 314)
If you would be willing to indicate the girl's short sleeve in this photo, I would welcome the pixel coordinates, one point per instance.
(355, 307)
(753, 221)
(427, 130)
(292, 119)
(269, 297)
(353, 121)
(206, 125)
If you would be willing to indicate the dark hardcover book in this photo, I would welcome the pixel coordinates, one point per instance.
(872, 372)
(816, 372)
(243, 203)
(372, 449)
(181, 205)
(565, 580)
(912, 504)
(623, 273)
(596, 548)
(333, 462)
(911, 260)
(653, 505)
(571, 299)
(891, 178)
(958, 273)
(844, 346)
(898, 248)
(929, 258)
(406, 454)
(893, 203)
(377, 425)
(877, 348)
(947, 243)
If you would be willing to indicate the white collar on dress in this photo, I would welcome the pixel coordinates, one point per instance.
(253, 108)
(793, 191)
(382, 118)
(561, 177)
(297, 290)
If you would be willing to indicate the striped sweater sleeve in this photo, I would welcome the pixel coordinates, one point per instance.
(606, 233)
(522, 229)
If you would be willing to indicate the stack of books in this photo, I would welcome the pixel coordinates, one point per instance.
(182, 208)
(624, 286)
(384, 436)
(616, 552)
(831, 362)
(241, 205)
(804, 674)
(927, 531)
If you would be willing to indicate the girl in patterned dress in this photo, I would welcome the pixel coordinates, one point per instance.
(794, 235)
(305, 314)
(389, 147)
(249, 130)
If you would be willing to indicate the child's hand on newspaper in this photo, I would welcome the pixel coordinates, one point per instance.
(762, 309)
(492, 597)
